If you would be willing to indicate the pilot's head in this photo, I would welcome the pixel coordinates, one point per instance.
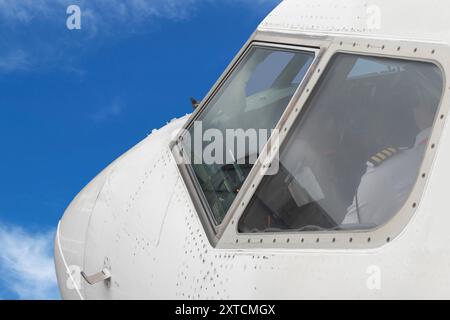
(424, 106)
(424, 113)
(415, 104)
(401, 115)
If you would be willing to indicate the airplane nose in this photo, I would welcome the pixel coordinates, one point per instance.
(71, 236)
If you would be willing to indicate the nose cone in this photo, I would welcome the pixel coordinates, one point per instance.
(71, 237)
(133, 194)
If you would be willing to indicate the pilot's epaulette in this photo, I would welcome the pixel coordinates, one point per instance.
(382, 156)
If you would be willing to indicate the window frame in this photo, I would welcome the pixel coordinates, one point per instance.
(351, 239)
(198, 198)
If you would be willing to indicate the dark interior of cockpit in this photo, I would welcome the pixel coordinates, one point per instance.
(361, 106)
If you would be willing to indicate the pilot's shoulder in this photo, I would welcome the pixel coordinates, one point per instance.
(382, 157)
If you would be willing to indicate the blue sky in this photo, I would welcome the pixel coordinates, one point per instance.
(73, 101)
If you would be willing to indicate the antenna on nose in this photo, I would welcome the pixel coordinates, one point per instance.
(195, 103)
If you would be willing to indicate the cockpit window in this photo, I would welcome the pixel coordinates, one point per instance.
(226, 139)
(354, 154)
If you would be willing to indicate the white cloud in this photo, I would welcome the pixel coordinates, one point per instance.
(28, 10)
(103, 114)
(34, 32)
(16, 60)
(109, 11)
(26, 263)
(22, 10)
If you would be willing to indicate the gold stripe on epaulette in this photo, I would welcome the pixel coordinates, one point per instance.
(376, 159)
(382, 156)
(393, 150)
(387, 152)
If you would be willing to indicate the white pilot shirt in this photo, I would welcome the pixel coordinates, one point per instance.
(384, 189)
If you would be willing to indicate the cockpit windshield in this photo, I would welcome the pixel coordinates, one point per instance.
(354, 154)
(226, 139)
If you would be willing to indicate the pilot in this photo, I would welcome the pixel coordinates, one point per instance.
(392, 172)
